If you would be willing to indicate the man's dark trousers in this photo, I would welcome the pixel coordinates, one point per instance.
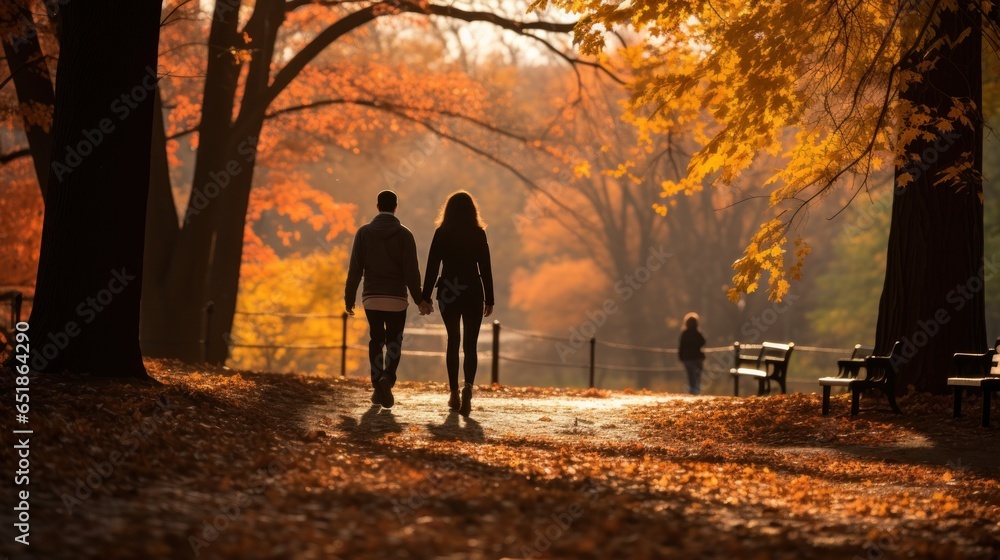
(386, 329)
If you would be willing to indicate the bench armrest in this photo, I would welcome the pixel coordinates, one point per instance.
(852, 363)
(963, 361)
(878, 361)
(964, 357)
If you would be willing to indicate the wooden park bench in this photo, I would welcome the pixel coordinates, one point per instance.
(847, 370)
(769, 362)
(987, 365)
(879, 373)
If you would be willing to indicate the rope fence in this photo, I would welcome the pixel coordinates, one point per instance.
(717, 364)
(286, 315)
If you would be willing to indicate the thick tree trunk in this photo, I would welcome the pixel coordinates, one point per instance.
(933, 300)
(224, 279)
(227, 254)
(189, 312)
(86, 313)
(174, 313)
(32, 82)
(191, 316)
(162, 227)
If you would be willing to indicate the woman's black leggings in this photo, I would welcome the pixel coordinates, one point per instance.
(470, 314)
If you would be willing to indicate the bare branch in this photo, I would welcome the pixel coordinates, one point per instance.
(16, 154)
(365, 15)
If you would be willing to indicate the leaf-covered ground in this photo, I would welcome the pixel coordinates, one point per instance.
(223, 464)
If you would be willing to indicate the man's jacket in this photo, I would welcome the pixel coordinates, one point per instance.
(385, 255)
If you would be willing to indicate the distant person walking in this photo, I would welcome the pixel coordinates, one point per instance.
(465, 288)
(386, 256)
(690, 352)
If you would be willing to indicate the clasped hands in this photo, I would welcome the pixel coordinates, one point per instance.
(426, 308)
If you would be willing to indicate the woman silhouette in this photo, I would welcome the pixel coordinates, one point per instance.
(465, 285)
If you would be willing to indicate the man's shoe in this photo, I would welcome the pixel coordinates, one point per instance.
(386, 390)
(466, 406)
(453, 402)
(376, 398)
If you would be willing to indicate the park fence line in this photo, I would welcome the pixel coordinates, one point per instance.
(497, 356)
(13, 299)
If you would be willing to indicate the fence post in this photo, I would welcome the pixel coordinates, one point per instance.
(343, 345)
(736, 364)
(495, 377)
(204, 335)
(593, 347)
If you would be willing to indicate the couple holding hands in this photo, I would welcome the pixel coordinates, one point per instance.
(385, 255)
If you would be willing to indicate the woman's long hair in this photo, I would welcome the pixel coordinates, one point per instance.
(460, 212)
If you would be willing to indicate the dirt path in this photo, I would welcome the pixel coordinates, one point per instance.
(768, 473)
(270, 466)
(423, 411)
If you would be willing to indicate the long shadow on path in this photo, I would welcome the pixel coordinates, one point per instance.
(452, 429)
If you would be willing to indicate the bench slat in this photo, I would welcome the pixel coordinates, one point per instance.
(966, 381)
(748, 371)
(835, 381)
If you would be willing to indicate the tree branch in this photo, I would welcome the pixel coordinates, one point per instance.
(392, 107)
(513, 170)
(365, 15)
(17, 154)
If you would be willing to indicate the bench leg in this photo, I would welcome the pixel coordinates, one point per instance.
(891, 395)
(855, 401)
(736, 385)
(781, 382)
(762, 387)
(958, 402)
(987, 397)
(826, 400)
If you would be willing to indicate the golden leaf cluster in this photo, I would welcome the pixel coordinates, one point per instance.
(814, 84)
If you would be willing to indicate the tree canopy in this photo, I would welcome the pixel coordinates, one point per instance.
(816, 83)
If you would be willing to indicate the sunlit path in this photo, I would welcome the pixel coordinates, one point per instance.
(275, 466)
(421, 411)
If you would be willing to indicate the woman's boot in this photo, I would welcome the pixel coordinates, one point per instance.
(453, 402)
(466, 400)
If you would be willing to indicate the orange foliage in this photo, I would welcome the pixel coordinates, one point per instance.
(20, 223)
(659, 477)
(556, 294)
(312, 219)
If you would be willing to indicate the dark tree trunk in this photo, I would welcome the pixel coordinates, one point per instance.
(162, 227)
(204, 263)
(32, 82)
(173, 312)
(227, 253)
(86, 313)
(224, 279)
(933, 300)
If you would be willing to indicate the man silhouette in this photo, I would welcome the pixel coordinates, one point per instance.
(386, 256)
